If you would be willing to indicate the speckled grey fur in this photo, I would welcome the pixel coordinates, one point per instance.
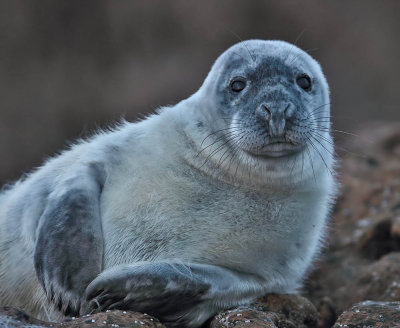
(187, 212)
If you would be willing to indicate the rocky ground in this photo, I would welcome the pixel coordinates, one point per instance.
(356, 282)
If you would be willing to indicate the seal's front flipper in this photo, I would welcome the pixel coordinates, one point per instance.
(180, 295)
(69, 240)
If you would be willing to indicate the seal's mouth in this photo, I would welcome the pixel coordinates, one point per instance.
(276, 149)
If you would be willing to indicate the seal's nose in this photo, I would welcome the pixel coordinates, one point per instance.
(276, 116)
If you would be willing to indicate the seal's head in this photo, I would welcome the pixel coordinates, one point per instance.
(269, 102)
(272, 101)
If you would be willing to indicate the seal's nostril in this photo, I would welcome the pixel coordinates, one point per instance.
(287, 112)
(287, 107)
(268, 111)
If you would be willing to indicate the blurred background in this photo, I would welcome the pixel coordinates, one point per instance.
(69, 67)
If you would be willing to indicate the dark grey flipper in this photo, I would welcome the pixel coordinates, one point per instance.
(69, 244)
(180, 295)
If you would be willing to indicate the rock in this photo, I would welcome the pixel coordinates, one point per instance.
(14, 318)
(363, 258)
(113, 318)
(271, 311)
(395, 228)
(380, 280)
(327, 313)
(243, 317)
(289, 310)
(378, 240)
(371, 314)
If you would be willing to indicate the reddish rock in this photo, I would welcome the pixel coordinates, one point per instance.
(14, 318)
(362, 261)
(244, 317)
(289, 310)
(280, 311)
(327, 313)
(371, 314)
(113, 318)
(380, 280)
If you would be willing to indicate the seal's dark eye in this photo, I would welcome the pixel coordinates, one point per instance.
(238, 84)
(304, 82)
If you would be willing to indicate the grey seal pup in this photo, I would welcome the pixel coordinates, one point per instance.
(203, 206)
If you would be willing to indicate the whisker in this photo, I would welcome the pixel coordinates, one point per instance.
(345, 132)
(318, 118)
(229, 139)
(323, 146)
(239, 143)
(213, 153)
(320, 155)
(334, 130)
(323, 137)
(215, 132)
(311, 50)
(226, 151)
(223, 137)
(293, 60)
(340, 147)
(319, 107)
(299, 36)
(251, 55)
(235, 53)
(311, 162)
(237, 166)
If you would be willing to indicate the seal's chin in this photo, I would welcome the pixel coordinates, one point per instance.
(276, 150)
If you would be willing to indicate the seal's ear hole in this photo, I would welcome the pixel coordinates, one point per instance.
(237, 84)
(304, 82)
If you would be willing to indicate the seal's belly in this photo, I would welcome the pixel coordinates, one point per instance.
(244, 231)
